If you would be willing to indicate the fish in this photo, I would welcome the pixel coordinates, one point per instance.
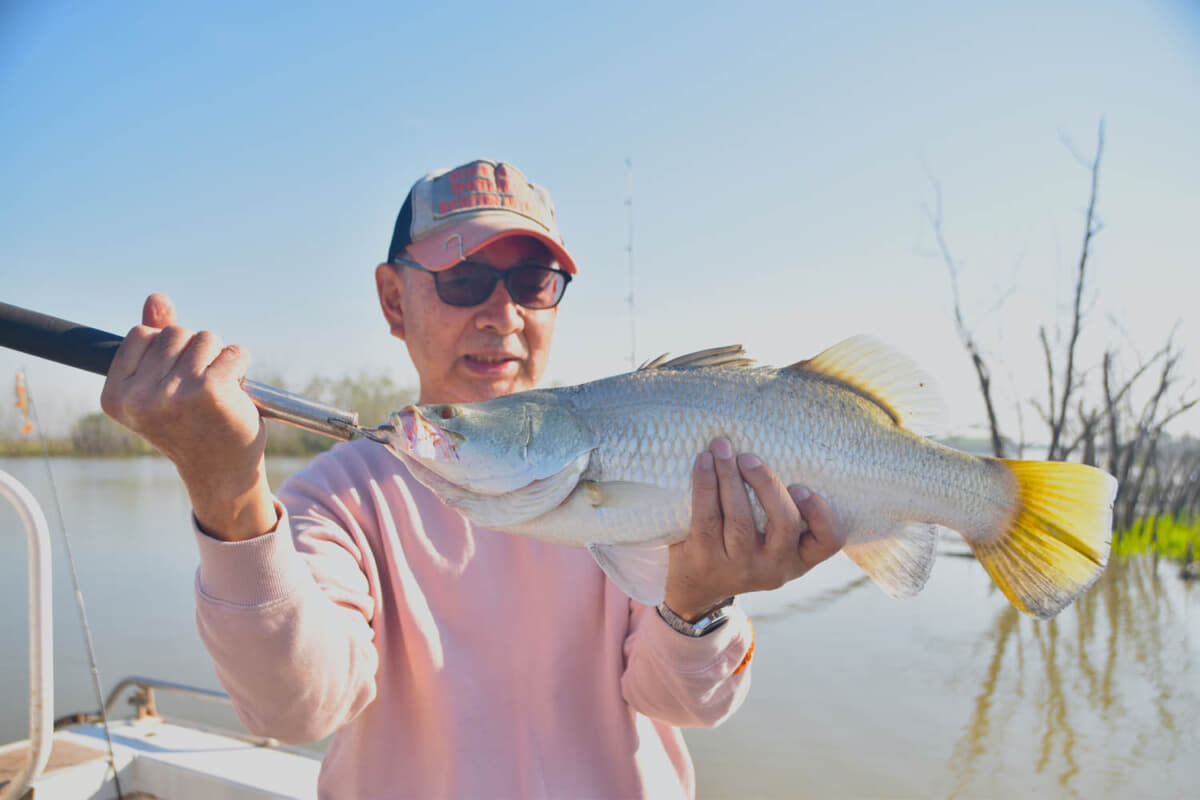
(607, 465)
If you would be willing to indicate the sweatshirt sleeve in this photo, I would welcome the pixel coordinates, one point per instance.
(685, 681)
(287, 618)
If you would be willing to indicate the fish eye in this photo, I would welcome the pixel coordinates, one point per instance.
(447, 412)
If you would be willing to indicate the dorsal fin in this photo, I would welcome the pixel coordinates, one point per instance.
(887, 378)
(730, 356)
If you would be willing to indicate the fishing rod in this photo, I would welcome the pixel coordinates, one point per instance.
(92, 350)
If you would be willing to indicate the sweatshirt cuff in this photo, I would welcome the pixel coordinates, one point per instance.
(253, 572)
(726, 648)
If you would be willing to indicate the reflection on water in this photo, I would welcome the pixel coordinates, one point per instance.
(956, 694)
(1113, 673)
(806, 605)
(951, 694)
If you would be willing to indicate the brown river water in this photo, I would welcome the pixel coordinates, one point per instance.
(951, 694)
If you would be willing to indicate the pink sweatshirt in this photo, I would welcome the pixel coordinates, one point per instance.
(451, 660)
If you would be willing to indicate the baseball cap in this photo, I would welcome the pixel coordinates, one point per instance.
(451, 213)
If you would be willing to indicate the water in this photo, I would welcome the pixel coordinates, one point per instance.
(950, 694)
(128, 521)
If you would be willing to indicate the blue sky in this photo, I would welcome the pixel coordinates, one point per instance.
(249, 160)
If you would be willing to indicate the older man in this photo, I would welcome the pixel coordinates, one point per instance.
(448, 660)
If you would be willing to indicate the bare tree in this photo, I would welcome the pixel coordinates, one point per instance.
(1071, 382)
(1134, 437)
(982, 372)
(1156, 474)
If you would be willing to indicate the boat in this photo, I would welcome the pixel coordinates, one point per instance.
(139, 753)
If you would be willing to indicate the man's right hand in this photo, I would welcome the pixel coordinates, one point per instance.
(181, 391)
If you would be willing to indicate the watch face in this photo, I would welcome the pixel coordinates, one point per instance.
(713, 620)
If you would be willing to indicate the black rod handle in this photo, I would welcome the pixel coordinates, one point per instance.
(91, 349)
(57, 339)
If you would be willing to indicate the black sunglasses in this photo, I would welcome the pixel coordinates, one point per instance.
(469, 283)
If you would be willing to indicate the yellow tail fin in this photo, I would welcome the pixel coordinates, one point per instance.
(1056, 544)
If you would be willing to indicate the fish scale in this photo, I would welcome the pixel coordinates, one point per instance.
(650, 426)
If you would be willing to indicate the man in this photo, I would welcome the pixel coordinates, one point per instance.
(453, 661)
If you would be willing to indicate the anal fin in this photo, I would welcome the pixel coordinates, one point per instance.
(901, 561)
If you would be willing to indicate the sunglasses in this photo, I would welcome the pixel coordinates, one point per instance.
(469, 283)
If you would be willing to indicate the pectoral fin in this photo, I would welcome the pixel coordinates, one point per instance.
(638, 570)
(625, 495)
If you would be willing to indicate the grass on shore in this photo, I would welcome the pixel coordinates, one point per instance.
(1164, 534)
(32, 446)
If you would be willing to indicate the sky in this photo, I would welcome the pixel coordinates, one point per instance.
(249, 159)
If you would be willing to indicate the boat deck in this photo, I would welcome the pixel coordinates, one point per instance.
(64, 754)
(157, 758)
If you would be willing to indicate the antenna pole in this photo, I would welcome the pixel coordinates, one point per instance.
(629, 256)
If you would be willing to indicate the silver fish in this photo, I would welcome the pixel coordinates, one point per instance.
(607, 465)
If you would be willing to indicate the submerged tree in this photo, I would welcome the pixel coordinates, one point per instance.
(1097, 425)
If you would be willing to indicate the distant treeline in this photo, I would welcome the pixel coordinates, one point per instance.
(96, 435)
(374, 398)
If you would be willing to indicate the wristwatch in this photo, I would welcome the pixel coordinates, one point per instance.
(712, 619)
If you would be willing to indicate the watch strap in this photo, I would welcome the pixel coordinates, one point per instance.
(712, 619)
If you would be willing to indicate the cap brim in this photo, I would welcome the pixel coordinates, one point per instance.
(447, 247)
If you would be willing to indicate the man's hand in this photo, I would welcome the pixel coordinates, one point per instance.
(724, 554)
(181, 392)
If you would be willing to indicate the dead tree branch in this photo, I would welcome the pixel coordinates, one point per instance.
(982, 372)
(1090, 228)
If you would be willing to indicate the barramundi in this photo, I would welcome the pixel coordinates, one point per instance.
(607, 465)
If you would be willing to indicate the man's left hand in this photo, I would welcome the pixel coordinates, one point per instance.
(724, 553)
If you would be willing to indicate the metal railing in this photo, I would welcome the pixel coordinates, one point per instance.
(41, 635)
(146, 687)
(146, 705)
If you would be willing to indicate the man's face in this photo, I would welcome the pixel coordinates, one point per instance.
(469, 354)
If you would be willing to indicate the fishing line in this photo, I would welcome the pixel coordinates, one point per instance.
(87, 631)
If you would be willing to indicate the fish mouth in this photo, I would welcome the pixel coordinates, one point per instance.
(424, 439)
